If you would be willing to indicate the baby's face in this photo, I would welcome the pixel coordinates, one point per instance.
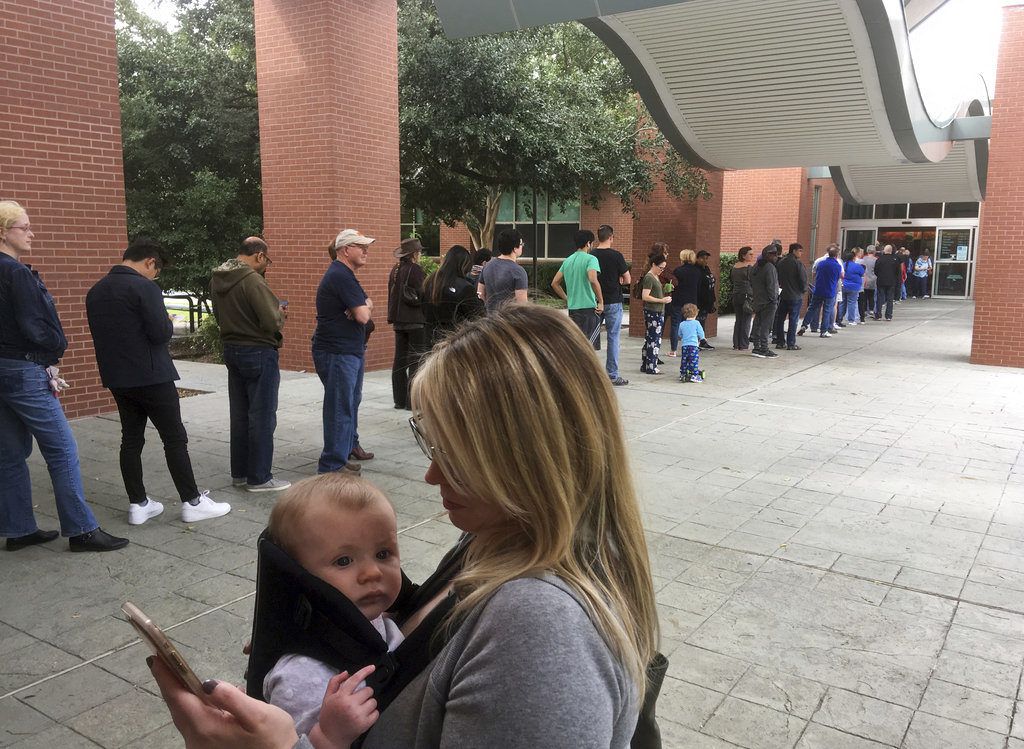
(356, 552)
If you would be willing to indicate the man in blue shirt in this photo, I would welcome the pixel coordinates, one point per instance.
(339, 346)
(826, 282)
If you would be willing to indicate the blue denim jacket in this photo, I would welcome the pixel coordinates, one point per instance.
(29, 326)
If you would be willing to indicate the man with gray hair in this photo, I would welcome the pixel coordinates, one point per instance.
(867, 297)
(339, 346)
(888, 276)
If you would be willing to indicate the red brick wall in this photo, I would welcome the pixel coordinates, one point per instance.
(829, 213)
(998, 337)
(761, 205)
(60, 157)
(327, 72)
(458, 234)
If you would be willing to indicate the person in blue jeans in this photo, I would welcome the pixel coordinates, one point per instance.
(32, 341)
(691, 333)
(826, 281)
(339, 343)
(613, 274)
(853, 284)
(251, 318)
(793, 285)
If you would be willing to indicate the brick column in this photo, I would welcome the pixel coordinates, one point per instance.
(60, 157)
(682, 224)
(327, 73)
(998, 338)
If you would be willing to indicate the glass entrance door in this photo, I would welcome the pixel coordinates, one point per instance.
(954, 263)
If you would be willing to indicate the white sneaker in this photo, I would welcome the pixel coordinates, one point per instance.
(139, 514)
(274, 485)
(203, 509)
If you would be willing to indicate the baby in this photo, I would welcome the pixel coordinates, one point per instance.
(343, 530)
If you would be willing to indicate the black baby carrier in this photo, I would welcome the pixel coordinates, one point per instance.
(296, 612)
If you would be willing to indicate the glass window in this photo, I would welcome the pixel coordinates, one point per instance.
(955, 244)
(951, 279)
(851, 211)
(858, 238)
(891, 210)
(507, 208)
(962, 210)
(560, 239)
(926, 210)
(564, 211)
(524, 206)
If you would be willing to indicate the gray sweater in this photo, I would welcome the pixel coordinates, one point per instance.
(526, 669)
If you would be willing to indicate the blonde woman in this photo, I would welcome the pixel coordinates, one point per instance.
(32, 341)
(555, 618)
(688, 277)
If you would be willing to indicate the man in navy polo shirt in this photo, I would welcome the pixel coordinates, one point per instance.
(339, 345)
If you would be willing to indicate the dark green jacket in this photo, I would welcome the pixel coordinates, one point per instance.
(246, 309)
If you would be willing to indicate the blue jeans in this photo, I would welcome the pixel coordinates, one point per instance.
(673, 316)
(820, 308)
(28, 409)
(253, 380)
(788, 308)
(612, 326)
(884, 296)
(342, 376)
(849, 307)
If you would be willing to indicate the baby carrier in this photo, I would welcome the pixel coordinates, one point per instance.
(297, 612)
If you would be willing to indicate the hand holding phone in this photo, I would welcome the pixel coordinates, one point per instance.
(162, 647)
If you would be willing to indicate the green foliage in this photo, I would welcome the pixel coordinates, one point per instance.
(429, 264)
(549, 108)
(191, 134)
(725, 264)
(546, 270)
(205, 343)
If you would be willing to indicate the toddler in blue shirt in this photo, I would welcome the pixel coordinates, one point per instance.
(691, 333)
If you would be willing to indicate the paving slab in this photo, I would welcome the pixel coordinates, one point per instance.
(837, 537)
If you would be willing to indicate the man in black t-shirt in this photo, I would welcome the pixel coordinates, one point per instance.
(339, 346)
(614, 272)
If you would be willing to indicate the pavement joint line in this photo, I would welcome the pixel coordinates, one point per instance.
(191, 619)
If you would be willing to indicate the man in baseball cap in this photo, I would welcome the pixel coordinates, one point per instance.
(339, 345)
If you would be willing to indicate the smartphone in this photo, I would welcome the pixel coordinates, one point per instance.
(162, 647)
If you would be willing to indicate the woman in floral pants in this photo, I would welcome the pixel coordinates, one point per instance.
(654, 299)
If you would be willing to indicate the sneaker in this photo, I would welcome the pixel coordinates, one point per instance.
(705, 346)
(239, 481)
(927, 296)
(620, 381)
(353, 468)
(33, 538)
(794, 347)
(697, 379)
(780, 345)
(274, 485)
(759, 353)
(97, 540)
(803, 329)
(825, 335)
(203, 508)
(672, 354)
(684, 379)
(834, 331)
(769, 354)
(139, 513)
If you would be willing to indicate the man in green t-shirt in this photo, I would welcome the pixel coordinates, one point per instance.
(584, 298)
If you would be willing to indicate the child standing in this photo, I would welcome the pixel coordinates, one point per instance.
(691, 333)
(343, 530)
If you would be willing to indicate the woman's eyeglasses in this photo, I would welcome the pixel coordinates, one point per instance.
(421, 439)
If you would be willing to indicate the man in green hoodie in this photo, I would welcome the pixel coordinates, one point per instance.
(250, 318)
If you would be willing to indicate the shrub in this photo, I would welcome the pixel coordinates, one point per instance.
(725, 264)
(428, 264)
(546, 270)
(204, 344)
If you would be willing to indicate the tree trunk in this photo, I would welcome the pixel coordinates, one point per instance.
(482, 232)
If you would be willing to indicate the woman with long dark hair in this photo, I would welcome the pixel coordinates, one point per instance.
(449, 297)
(742, 298)
(654, 307)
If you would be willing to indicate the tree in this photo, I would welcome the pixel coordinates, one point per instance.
(190, 129)
(548, 108)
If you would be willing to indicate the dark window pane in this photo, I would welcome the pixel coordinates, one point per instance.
(926, 210)
(859, 238)
(560, 239)
(851, 211)
(951, 279)
(891, 210)
(962, 210)
(955, 244)
(528, 242)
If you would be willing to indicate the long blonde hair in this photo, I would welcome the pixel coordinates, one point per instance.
(526, 419)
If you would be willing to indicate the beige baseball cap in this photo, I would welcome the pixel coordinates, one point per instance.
(351, 236)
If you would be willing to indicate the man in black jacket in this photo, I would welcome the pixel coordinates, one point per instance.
(888, 276)
(793, 280)
(130, 330)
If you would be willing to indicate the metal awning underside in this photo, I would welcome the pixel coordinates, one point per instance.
(740, 84)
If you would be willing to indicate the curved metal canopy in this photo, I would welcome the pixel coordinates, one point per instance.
(739, 84)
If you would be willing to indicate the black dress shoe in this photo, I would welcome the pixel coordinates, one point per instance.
(33, 538)
(705, 346)
(97, 540)
(794, 347)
